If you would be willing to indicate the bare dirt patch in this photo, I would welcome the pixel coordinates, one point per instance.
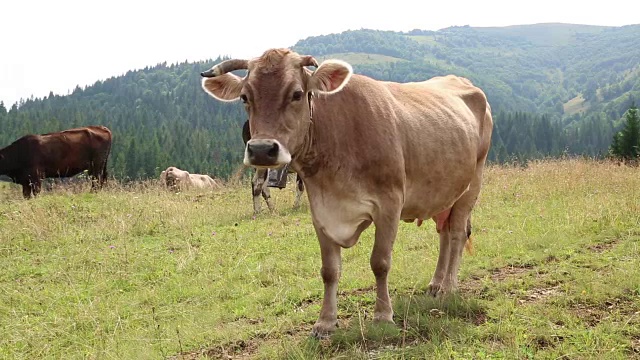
(478, 318)
(635, 345)
(604, 246)
(624, 310)
(538, 294)
(240, 349)
(473, 285)
(503, 273)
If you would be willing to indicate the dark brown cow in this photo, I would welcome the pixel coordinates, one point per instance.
(369, 152)
(259, 182)
(32, 158)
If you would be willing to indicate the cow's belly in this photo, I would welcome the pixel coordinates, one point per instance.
(65, 172)
(427, 205)
(340, 219)
(426, 198)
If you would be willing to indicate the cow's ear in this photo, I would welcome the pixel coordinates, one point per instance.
(225, 87)
(330, 77)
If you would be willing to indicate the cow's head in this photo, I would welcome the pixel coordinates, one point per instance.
(277, 95)
(174, 176)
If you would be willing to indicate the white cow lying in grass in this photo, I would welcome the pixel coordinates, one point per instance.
(178, 179)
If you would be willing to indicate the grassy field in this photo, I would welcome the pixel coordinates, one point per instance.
(142, 273)
(575, 105)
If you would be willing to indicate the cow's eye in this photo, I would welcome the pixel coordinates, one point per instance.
(297, 95)
(244, 99)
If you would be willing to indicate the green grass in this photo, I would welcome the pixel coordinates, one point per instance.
(143, 273)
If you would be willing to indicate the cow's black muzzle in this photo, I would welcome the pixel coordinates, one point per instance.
(263, 152)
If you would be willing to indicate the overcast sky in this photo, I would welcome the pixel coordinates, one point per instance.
(54, 45)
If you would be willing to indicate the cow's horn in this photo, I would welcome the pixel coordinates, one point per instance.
(308, 60)
(225, 67)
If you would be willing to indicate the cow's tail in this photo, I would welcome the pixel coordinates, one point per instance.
(469, 244)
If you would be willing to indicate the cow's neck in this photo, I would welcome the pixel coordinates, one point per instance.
(306, 160)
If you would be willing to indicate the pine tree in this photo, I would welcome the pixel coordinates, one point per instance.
(616, 145)
(626, 143)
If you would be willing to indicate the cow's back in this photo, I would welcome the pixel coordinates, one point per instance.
(203, 181)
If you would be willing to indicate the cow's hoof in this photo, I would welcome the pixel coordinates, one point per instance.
(441, 291)
(323, 330)
(434, 289)
(383, 318)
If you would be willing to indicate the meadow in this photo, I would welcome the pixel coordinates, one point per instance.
(138, 272)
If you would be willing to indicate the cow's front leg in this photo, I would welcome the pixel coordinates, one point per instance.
(331, 263)
(386, 231)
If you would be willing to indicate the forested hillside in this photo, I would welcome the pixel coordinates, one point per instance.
(159, 117)
(554, 89)
(531, 68)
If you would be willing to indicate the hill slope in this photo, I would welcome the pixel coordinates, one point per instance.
(535, 68)
(582, 78)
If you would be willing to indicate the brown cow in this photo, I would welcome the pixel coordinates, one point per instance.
(259, 183)
(368, 151)
(32, 158)
(178, 179)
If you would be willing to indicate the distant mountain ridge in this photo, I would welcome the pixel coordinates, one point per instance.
(543, 68)
(554, 88)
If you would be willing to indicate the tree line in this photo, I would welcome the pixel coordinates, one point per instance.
(160, 116)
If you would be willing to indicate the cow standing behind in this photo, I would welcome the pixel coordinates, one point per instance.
(369, 152)
(177, 179)
(259, 181)
(32, 158)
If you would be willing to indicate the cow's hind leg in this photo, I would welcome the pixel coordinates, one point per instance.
(452, 242)
(256, 189)
(299, 191)
(266, 194)
(34, 187)
(95, 176)
(443, 261)
(259, 188)
(102, 179)
(453, 238)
